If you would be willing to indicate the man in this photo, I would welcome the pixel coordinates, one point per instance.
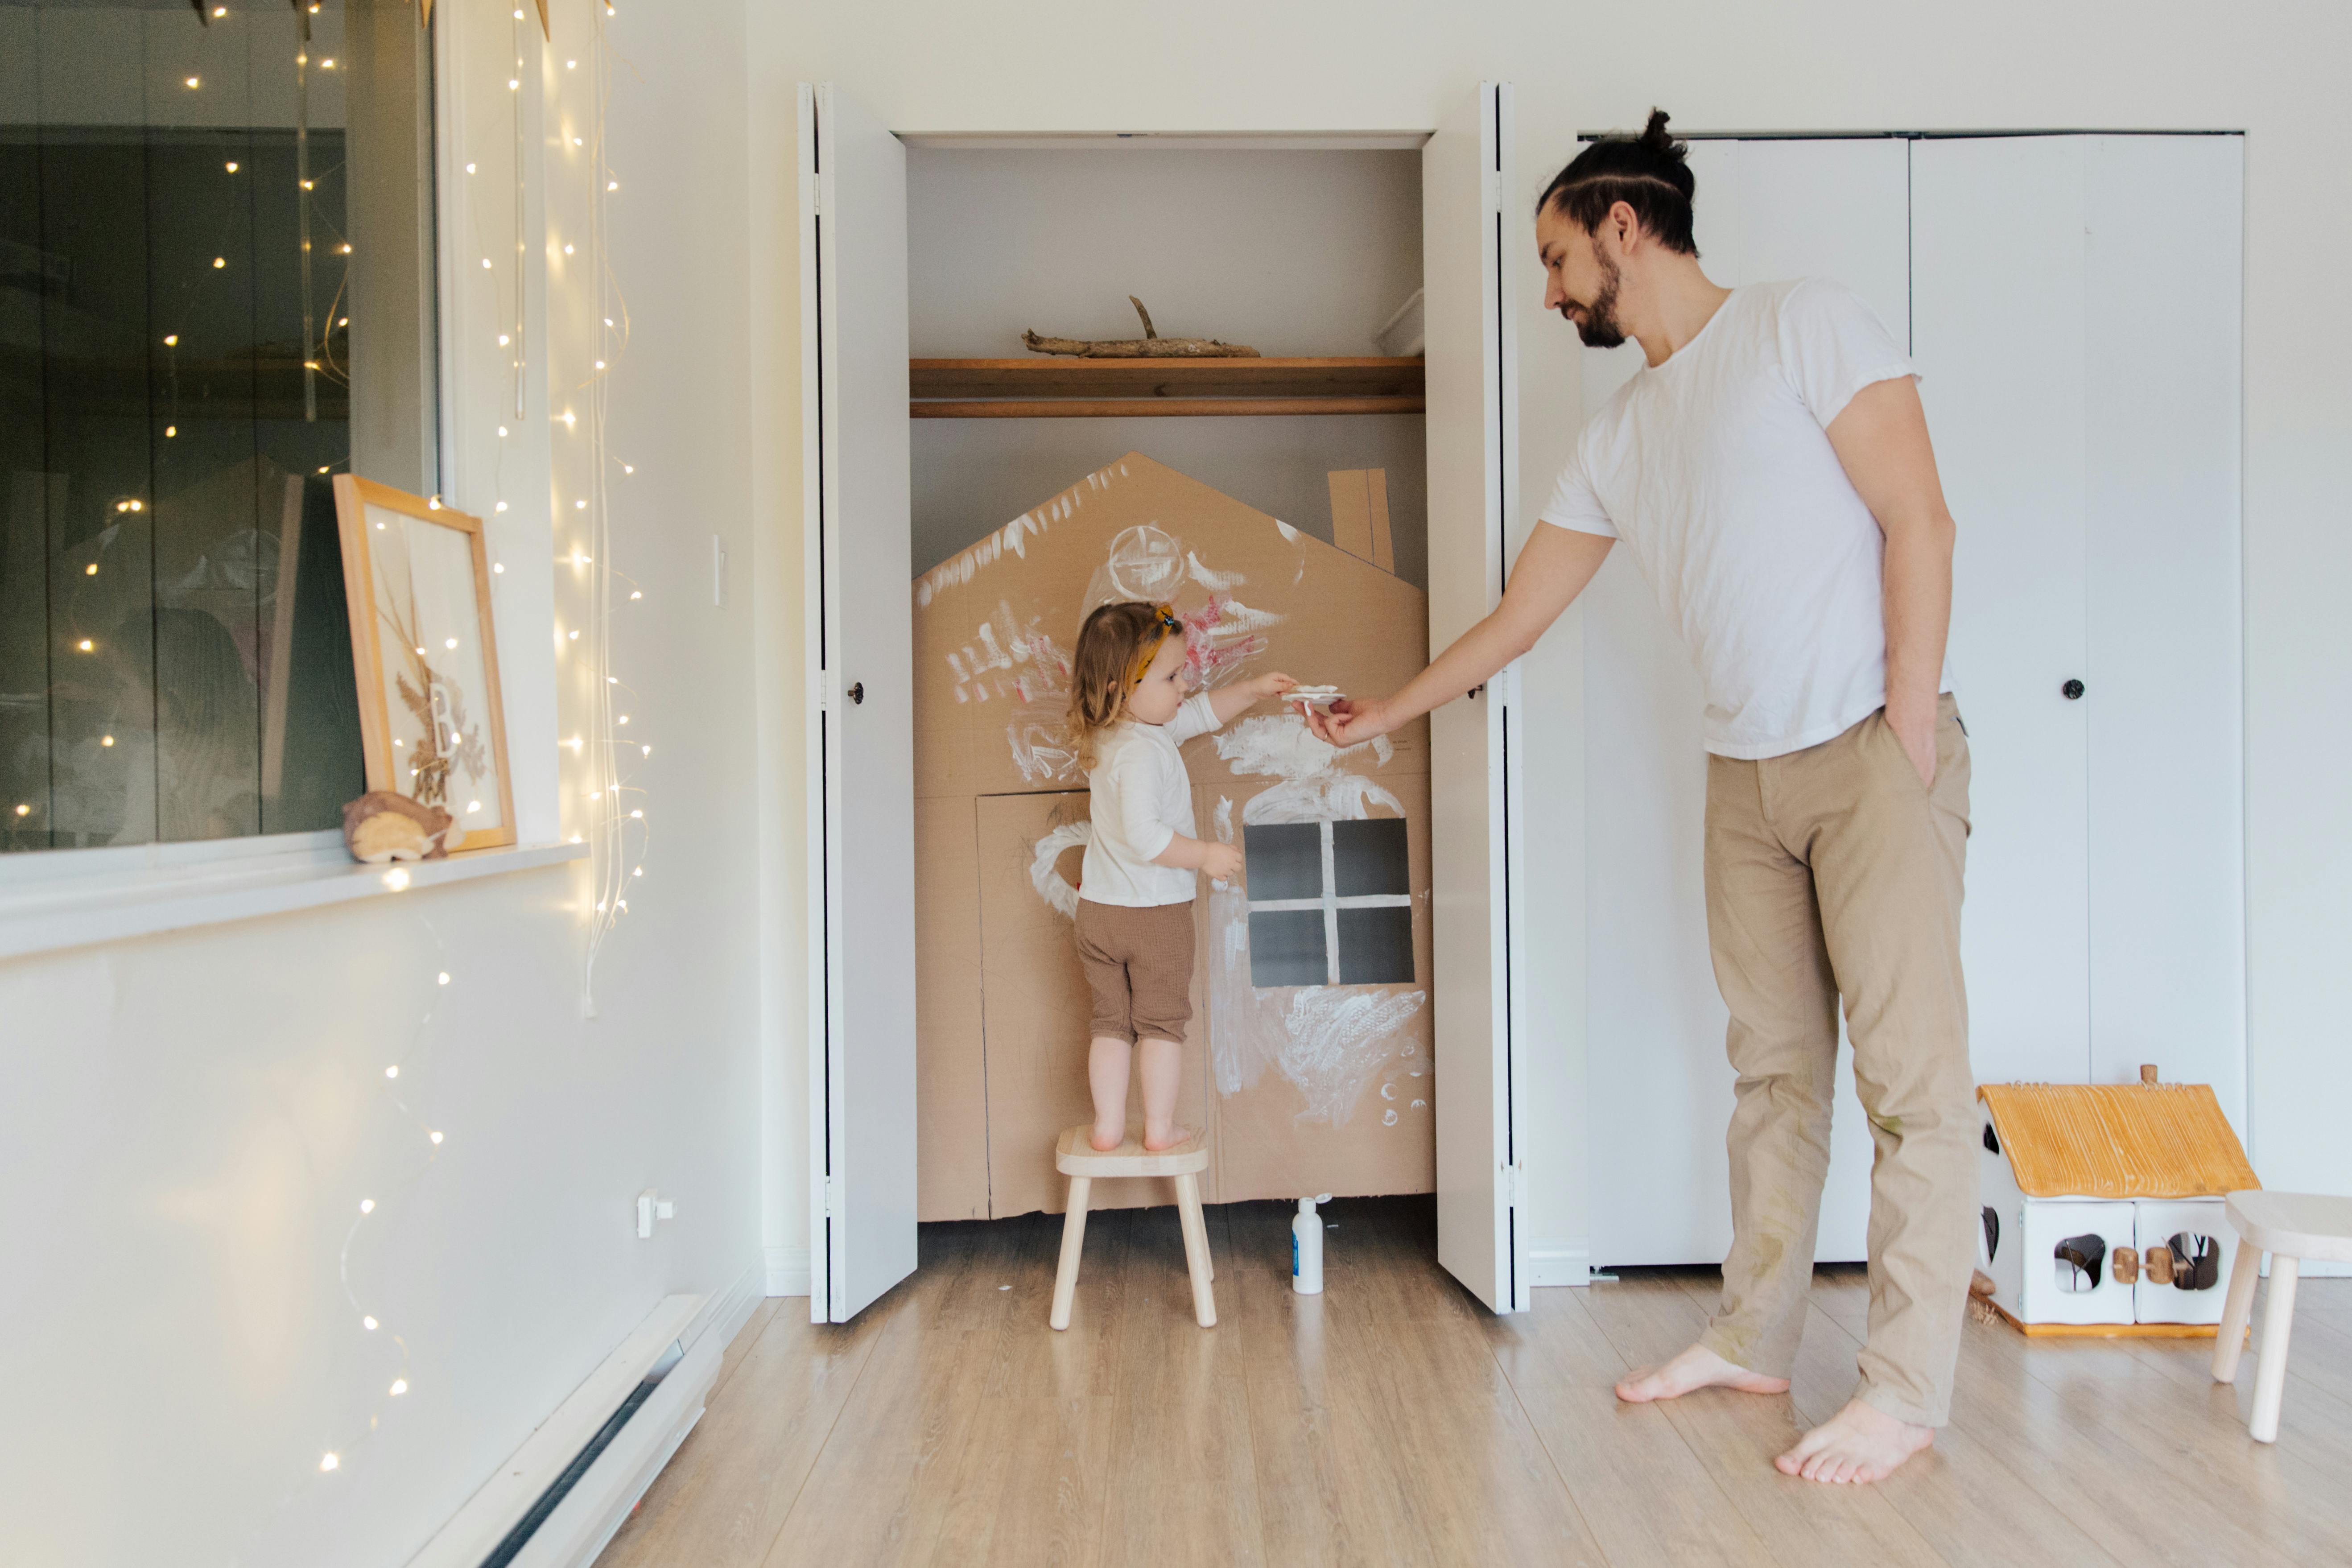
(1770, 472)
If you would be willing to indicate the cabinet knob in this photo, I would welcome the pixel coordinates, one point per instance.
(857, 692)
(2072, 691)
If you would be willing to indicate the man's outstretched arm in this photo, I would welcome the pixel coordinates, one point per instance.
(1552, 569)
(1881, 438)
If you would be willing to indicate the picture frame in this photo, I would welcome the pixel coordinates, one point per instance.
(425, 648)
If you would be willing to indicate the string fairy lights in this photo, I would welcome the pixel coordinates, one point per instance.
(595, 746)
(419, 1145)
(613, 821)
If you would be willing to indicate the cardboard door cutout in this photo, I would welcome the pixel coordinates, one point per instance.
(1311, 993)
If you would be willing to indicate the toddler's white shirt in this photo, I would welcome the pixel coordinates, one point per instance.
(1142, 800)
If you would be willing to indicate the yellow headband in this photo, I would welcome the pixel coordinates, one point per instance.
(1169, 627)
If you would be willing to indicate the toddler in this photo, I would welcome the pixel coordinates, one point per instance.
(1128, 714)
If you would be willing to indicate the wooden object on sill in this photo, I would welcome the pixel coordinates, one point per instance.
(1150, 345)
(1147, 407)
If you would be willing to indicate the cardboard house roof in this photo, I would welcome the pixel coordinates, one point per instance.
(2117, 1139)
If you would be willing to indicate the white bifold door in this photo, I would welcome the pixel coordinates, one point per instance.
(2076, 304)
(1470, 262)
(860, 738)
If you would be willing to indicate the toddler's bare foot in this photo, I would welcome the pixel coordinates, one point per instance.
(1859, 1444)
(1695, 1368)
(1168, 1138)
(1105, 1142)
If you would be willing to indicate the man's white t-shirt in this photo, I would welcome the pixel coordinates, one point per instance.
(1142, 800)
(1716, 470)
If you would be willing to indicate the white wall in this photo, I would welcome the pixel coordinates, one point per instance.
(1803, 65)
(189, 1121)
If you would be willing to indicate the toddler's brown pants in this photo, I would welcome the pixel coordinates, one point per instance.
(1138, 965)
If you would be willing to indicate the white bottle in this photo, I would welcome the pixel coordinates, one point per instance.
(1307, 1247)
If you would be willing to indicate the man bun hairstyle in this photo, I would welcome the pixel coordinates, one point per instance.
(1649, 172)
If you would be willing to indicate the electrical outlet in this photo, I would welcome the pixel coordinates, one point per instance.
(652, 1207)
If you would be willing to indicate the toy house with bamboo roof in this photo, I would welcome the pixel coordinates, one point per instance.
(2104, 1206)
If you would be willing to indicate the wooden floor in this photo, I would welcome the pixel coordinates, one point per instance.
(1394, 1420)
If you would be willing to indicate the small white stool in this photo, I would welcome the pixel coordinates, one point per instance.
(2290, 1227)
(1076, 1157)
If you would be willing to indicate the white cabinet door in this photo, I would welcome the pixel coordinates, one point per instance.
(2165, 701)
(854, 454)
(1660, 1087)
(2081, 352)
(1470, 250)
(1997, 326)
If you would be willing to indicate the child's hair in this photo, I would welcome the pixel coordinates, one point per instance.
(1115, 639)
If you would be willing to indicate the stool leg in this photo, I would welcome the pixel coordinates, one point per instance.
(2237, 1309)
(1196, 1248)
(2270, 1361)
(1073, 1236)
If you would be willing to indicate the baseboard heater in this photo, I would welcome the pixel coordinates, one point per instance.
(558, 1501)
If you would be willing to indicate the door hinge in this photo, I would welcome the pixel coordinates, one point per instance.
(833, 1197)
(1490, 189)
(817, 195)
(1511, 1185)
(828, 690)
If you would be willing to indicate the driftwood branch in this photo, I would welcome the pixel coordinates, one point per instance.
(1150, 345)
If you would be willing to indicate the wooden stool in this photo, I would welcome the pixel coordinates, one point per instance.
(2290, 1227)
(1076, 1157)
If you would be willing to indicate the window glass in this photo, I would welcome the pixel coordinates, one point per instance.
(1285, 861)
(1330, 902)
(1370, 857)
(1376, 946)
(1287, 948)
(185, 324)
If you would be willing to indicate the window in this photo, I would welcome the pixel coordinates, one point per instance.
(1330, 903)
(214, 277)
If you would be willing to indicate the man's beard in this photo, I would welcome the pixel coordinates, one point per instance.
(1599, 329)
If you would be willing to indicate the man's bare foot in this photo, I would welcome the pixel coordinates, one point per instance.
(1105, 1142)
(1859, 1444)
(1175, 1134)
(1695, 1368)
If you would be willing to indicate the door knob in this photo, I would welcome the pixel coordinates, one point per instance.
(857, 692)
(2072, 691)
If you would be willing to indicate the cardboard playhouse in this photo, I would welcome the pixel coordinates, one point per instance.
(2105, 1206)
(1309, 1066)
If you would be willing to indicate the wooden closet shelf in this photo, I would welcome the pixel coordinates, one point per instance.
(1153, 407)
(1097, 387)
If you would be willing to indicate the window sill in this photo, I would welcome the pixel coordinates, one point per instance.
(72, 897)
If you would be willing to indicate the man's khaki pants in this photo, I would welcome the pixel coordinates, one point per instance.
(1834, 872)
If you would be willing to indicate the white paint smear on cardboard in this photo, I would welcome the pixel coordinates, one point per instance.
(1280, 745)
(1046, 877)
(1328, 1042)
(960, 569)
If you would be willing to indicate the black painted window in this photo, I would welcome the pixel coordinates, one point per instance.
(1330, 903)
